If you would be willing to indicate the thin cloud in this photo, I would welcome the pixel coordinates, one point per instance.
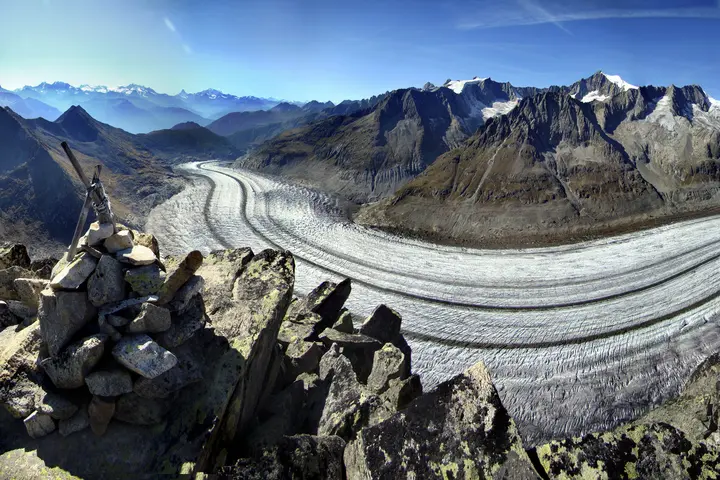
(532, 13)
(169, 24)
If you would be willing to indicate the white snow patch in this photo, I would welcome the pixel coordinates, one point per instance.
(498, 108)
(458, 85)
(594, 95)
(619, 82)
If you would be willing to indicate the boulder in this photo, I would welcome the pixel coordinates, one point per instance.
(55, 405)
(177, 276)
(14, 256)
(7, 317)
(134, 409)
(640, 451)
(100, 412)
(78, 422)
(98, 232)
(301, 357)
(43, 267)
(186, 372)
(152, 319)
(22, 311)
(74, 273)
(459, 430)
(145, 280)
(388, 364)
(38, 425)
(400, 393)
(61, 315)
(344, 322)
(291, 332)
(107, 329)
(326, 300)
(28, 289)
(69, 368)
(142, 355)
(384, 325)
(109, 383)
(183, 325)
(137, 255)
(121, 240)
(220, 269)
(20, 377)
(304, 457)
(146, 240)
(7, 282)
(186, 294)
(107, 283)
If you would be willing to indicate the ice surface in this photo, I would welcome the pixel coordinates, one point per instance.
(619, 82)
(594, 95)
(458, 85)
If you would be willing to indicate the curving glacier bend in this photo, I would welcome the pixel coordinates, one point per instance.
(577, 337)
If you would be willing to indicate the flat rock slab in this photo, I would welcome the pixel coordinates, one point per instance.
(137, 255)
(349, 340)
(142, 355)
(186, 293)
(98, 232)
(69, 368)
(292, 331)
(55, 405)
(152, 319)
(177, 277)
(61, 315)
(146, 280)
(75, 273)
(107, 283)
(109, 383)
(121, 240)
(186, 372)
(39, 424)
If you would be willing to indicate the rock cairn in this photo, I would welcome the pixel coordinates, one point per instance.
(109, 320)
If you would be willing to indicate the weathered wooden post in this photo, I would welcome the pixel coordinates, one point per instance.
(95, 196)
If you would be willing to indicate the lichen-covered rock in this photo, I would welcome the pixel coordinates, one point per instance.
(76, 423)
(326, 300)
(137, 410)
(28, 289)
(344, 322)
(7, 279)
(460, 430)
(14, 256)
(186, 372)
(55, 405)
(100, 412)
(98, 232)
(142, 355)
(384, 325)
(152, 319)
(177, 276)
(69, 368)
(20, 376)
(295, 457)
(146, 240)
(301, 357)
(388, 364)
(137, 255)
(109, 383)
(145, 280)
(220, 269)
(107, 283)
(358, 348)
(74, 273)
(639, 451)
(291, 332)
(401, 392)
(43, 267)
(183, 325)
(39, 424)
(61, 315)
(121, 240)
(186, 293)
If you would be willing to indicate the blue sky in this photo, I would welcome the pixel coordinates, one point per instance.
(332, 50)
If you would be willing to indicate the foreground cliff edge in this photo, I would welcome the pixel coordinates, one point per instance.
(248, 382)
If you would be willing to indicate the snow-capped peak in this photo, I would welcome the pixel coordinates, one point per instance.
(619, 81)
(94, 88)
(133, 88)
(458, 85)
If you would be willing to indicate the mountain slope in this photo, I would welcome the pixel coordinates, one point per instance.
(28, 107)
(189, 142)
(557, 166)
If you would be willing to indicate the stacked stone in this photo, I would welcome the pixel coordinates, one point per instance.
(20, 284)
(111, 320)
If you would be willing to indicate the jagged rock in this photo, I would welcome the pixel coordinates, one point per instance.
(349, 340)
(78, 422)
(142, 355)
(388, 364)
(460, 428)
(14, 256)
(145, 280)
(348, 405)
(38, 425)
(60, 265)
(98, 232)
(301, 357)
(384, 325)
(146, 240)
(121, 240)
(55, 405)
(61, 315)
(137, 255)
(7, 279)
(401, 392)
(43, 267)
(28, 289)
(639, 451)
(109, 383)
(186, 372)
(186, 293)
(326, 300)
(22, 311)
(91, 251)
(74, 273)
(20, 376)
(117, 320)
(344, 322)
(106, 284)
(7, 317)
(296, 457)
(177, 277)
(152, 319)
(291, 332)
(220, 269)
(134, 409)
(100, 412)
(183, 325)
(69, 368)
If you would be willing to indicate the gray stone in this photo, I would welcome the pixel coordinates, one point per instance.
(100, 411)
(92, 251)
(43, 267)
(349, 340)
(107, 329)
(186, 372)
(177, 276)
(220, 270)
(7, 279)
(109, 383)
(137, 255)
(74, 273)
(62, 315)
(69, 368)
(121, 240)
(142, 355)
(117, 320)
(134, 409)
(291, 332)
(326, 300)
(145, 280)
(186, 293)
(152, 319)
(28, 289)
(38, 425)
(344, 322)
(98, 232)
(106, 284)
(22, 311)
(78, 422)
(301, 357)
(14, 256)
(7, 317)
(146, 240)
(183, 325)
(20, 376)
(388, 364)
(461, 427)
(55, 405)
(400, 393)
(383, 324)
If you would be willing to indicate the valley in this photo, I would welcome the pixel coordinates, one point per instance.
(577, 337)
